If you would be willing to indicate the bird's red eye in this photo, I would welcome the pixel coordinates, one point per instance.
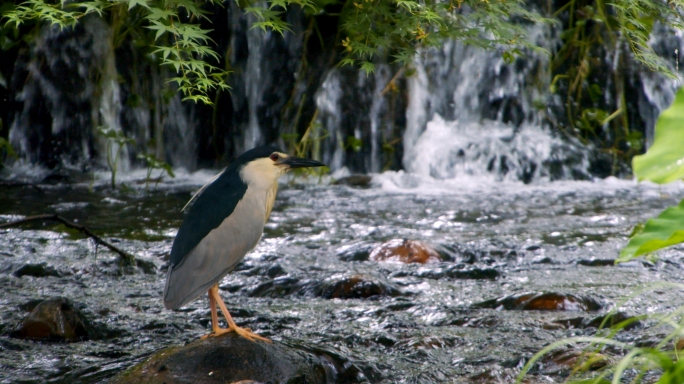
(275, 157)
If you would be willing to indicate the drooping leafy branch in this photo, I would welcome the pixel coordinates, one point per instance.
(183, 43)
(400, 27)
(189, 44)
(635, 20)
(370, 29)
(592, 68)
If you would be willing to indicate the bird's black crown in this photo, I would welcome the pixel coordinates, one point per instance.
(256, 153)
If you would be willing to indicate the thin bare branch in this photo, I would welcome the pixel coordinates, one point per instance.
(127, 257)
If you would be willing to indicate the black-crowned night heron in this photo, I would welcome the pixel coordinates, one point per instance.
(225, 221)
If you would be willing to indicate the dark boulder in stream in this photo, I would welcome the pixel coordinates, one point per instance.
(339, 286)
(36, 270)
(597, 262)
(355, 181)
(355, 252)
(55, 320)
(228, 359)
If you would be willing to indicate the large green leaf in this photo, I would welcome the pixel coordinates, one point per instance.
(664, 160)
(665, 230)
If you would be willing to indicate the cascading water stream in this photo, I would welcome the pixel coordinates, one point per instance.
(457, 110)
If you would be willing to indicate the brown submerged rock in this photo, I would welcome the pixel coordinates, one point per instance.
(227, 359)
(549, 301)
(54, 320)
(575, 358)
(357, 286)
(405, 251)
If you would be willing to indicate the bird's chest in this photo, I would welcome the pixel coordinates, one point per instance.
(261, 199)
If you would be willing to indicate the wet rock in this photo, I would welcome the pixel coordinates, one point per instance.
(463, 253)
(473, 273)
(270, 270)
(476, 322)
(505, 253)
(405, 251)
(36, 270)
(355, 181)
(575, 358)
(549, 301)
(355, 287)
(55, 320)
(459, 271)
(430, 342)
(434, 274)
(279, 287)
(275, 270)
(228, 359)
(339, 367)
(495, 375)
(597, 262)
(542, 260)
(551, 326)
(679, 344)
(447, 252)
(341, 286)
(355, 252)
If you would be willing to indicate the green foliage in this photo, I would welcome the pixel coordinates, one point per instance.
(399, 27)
(6, 151)
(116, 140)
(154, 163)
(308, 146)
(635, 19)
(663, 231)
(184, 45)
(268, 19)
(662, 357)
(354, 144)
(370, 29)
(664, 161)
(590, 28)
(659, 164)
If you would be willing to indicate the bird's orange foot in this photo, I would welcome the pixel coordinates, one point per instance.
(249, 335)
(216, 332)
(244, 332)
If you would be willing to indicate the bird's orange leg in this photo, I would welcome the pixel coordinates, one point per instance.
(215, 329)
(215, 298)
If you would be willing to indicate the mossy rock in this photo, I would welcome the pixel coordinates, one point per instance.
(228, 359)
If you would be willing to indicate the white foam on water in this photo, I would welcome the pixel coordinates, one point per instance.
(492, 150)
(401, 182)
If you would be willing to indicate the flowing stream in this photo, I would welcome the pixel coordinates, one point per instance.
(420, 322)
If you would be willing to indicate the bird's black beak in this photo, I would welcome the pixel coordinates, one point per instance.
(298, 162)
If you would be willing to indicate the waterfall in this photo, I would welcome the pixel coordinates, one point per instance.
(254, 83)
(109, 111)
(58, 97)
(328, 102)
(470, 113)
(457, 110)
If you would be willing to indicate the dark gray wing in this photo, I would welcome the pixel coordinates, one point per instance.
(216, 202)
